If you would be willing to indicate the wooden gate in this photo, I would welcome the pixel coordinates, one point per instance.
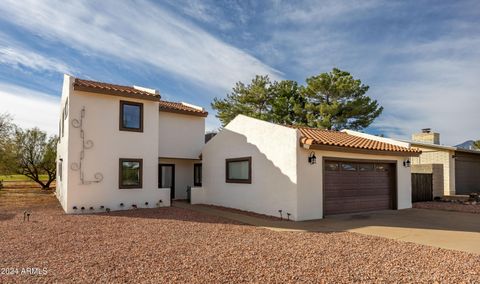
(422, 187)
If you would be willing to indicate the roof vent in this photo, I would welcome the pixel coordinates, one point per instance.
(426, 130)
(148, 90)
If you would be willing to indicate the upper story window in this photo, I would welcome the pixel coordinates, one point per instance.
(239, 170)
(131, 116)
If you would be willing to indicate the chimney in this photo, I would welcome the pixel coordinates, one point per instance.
(427, 136)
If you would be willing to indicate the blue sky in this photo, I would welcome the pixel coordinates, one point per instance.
(421, 59)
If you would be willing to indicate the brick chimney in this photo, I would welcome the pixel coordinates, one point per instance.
(427, 136)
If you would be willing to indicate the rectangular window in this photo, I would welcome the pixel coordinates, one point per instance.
(197, 175)
(63, 122)
(349, 167)
(130, 173)
(131, 116)
(365, 167)
(239, 170)
(381, 167)
(60, 169)
(331, 166)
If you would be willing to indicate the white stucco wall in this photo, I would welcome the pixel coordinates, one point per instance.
(274, 173)
(282, 178)
(62, 147)
(180, 135)
(101, 125)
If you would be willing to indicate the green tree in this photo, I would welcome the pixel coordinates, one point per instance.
(6, 142)
(476, 144)
(336, 100)
(35, 155)
(278, 102)
(332, 100)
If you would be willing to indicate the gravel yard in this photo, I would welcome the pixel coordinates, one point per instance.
(177, 245)
(449, 206)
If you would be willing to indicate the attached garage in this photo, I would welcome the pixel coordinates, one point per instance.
(352, 186)
(467, 172)
(303, 173)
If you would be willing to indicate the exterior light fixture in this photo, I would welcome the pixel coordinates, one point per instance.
(407, 163)
(312, 159)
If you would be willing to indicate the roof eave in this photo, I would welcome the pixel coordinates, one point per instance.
(360, 150)
(201, 114)
(118, 93)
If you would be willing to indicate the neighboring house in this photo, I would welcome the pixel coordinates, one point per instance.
(303, 173)
(121, 146)
(455, 170)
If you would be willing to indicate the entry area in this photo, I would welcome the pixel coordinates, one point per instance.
(179, 175)
(358, 186)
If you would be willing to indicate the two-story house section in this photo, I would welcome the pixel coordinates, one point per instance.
(123, 147)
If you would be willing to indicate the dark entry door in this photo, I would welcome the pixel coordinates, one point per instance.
(166, 177)
(422, 187)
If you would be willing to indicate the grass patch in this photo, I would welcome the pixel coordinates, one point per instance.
(20, 177)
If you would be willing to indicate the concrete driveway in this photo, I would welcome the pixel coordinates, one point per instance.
(444, 229)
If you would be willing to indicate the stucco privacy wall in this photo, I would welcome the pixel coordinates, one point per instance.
(101, 125)
(310, 180)
(274, 171)
(439, 156)
(183, 175)
(180, 135)
(62, 147)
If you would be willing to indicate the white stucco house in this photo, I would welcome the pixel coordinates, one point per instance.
(303, 173)
(122, 147)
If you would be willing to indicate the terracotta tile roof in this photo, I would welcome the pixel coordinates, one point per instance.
(106, 88)
(181, 108)
(314, 136)
(128, 91)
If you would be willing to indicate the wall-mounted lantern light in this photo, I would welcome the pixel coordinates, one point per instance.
(407, 163)
(312, 160)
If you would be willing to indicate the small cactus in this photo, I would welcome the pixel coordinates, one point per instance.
(74, 207)
(134, 206)
(107, 210)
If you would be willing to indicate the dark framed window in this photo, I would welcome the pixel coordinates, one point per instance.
(239, 170)
(130, 173)
(381, 167)
(331, 166)
(197, 175)
(349, 167)
(365, 167)
(131, 116)
(60, 169)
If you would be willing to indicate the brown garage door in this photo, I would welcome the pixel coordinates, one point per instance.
(355, 187)
(467, 173)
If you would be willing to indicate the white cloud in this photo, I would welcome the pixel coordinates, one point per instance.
(30, 108)
(138, 32)
(14, 54)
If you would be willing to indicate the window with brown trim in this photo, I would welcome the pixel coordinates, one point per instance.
(238, 170)
(130, 174)
(197, 175)
(131, 116)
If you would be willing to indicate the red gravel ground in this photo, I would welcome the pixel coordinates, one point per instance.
(449, 206)
(177, 245)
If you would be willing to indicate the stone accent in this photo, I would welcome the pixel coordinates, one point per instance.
(437, 176)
